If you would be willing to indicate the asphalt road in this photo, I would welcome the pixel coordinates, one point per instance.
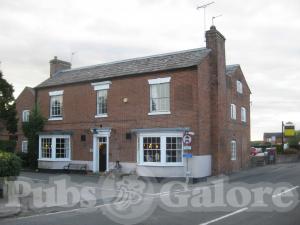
(288, 173)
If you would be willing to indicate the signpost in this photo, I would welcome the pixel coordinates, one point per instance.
(288, 130)
(187, 146)
(187, 155)
(187, 141)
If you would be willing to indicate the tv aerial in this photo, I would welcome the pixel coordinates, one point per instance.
(213, 18)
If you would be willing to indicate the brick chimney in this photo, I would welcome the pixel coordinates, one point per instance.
(57, 65)
(216, 42)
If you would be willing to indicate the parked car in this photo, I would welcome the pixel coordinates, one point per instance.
(257, 152)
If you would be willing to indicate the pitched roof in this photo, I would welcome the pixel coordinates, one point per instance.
(30, 89)
(230, 69)
(155, 63)
(269, 135)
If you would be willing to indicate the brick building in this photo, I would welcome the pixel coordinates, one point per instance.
(24, 104)
(136, 111)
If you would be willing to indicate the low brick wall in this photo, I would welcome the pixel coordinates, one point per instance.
(287, 158)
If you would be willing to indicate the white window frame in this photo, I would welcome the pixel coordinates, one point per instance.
(54, 94)
(25, 115)
(233, 111)
(233, 149)
(25, 142)
(163, 138)
(239, 86)
(243, 114)
(53, 148)
(160, 81)
(100, 86)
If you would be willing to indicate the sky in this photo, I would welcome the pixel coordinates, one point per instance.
(261, 35)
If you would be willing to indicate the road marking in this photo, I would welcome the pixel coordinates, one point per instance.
(284, 192)
(225, 216)
(246, 208)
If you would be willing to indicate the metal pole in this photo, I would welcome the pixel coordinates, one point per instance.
(282, 136)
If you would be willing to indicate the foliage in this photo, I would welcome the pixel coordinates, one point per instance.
(279, 149)
(8, 112)
(31, 129)
(261, 144)
(10, 164)
(24, 158)
(294, 141)
(8, 145)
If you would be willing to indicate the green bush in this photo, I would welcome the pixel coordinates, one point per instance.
(25, 159)
(279, 149)
(8, 145)
(10, 164)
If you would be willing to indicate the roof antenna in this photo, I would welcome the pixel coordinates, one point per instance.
(204, 14)
(214, 17)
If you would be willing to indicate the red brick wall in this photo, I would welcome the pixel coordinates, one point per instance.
(238, 130)
(25, 101)
(80, 107)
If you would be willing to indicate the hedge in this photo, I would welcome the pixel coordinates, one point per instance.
(8, 145)
(10, 164)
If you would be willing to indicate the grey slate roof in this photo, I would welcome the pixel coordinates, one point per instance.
(276, 134)
(230, 69)
(155, 63)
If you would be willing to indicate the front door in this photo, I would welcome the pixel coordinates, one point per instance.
(102, 153)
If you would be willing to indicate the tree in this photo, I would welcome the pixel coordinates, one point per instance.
(31, 129)
(8, 112)
(295, 140)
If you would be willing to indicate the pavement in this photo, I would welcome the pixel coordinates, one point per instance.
(150, 206)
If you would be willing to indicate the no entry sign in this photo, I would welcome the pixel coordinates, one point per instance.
(187, 141)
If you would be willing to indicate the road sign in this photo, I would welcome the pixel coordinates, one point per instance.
(187, 155)
(187, 147)
(187, 139)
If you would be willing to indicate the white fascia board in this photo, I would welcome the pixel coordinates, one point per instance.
(54, 93)
(159, 80)
(101, 85)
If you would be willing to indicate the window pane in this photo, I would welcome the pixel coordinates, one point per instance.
(174, 149)
(233, 150)
(101, 102)
(160, 97)
(152, 149)
(62, 148)
(56, 106)
(46, 147)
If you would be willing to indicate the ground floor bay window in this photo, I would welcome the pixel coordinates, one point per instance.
(160, 149)
(54, 147)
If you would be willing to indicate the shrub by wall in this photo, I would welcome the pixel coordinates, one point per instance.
(10, 164)
(8, 145)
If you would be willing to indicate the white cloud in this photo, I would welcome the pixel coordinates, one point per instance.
(262, 36)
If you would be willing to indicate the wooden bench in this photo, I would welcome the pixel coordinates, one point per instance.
(75, 167)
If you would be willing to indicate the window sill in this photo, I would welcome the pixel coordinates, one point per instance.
(55, 160)
(101, 116)
(162, 164)
(55, 118)
(158, 113)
